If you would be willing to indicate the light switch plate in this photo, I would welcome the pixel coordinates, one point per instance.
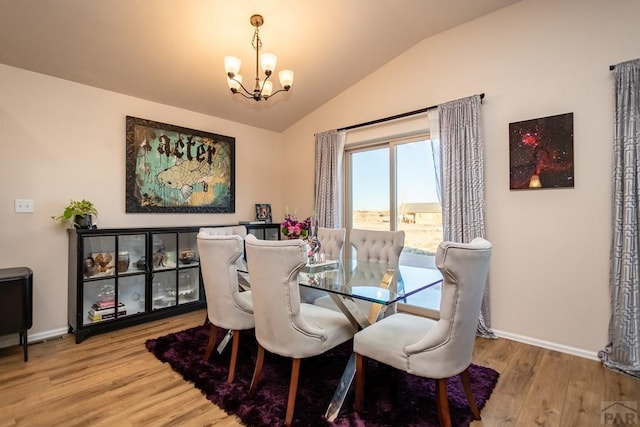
(24, 206)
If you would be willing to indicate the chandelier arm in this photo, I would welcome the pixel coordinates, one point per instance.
(249, 94)
(246, 96)
(278, 91)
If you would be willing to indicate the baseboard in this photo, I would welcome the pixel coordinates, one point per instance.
(548, 345)
(11, 340)
(425, 312)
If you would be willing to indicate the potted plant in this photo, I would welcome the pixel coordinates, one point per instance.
(78, 213)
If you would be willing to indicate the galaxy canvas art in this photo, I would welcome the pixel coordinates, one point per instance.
(541, 153)
(178, 170)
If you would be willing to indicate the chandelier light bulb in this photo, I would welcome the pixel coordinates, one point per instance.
(286, 79)
(268, 62)
(267, 88)
(232, 65)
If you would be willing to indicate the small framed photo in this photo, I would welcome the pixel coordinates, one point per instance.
(263, 212)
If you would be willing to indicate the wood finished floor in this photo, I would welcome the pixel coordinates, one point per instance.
(112, 380)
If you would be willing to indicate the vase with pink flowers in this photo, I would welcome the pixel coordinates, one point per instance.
(292, 228)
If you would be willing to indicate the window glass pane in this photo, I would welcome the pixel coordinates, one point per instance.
(418, 208)
(370, 189)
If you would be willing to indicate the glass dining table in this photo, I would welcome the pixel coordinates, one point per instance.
(363, 291)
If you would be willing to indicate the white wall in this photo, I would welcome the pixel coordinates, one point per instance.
(61, 140)
(549, 271)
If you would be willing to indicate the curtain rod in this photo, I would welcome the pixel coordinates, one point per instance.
(397, 116)
(612, 67)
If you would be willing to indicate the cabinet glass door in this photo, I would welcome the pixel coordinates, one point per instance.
(258, 232)
(98, 301)
(188, 263)
(271, 233)
(164, 289)
(188, 285)
(99, 257)
(131, 272)
(132, 249)
(131, 295)
(164, 251)
(188, 250)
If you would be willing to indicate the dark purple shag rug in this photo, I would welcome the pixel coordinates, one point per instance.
(392, 398)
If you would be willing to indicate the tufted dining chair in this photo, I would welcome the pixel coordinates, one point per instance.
(378, 246)
(331, 242)
(284, 325)
(227, 308)
(428, 348)
(239, 230)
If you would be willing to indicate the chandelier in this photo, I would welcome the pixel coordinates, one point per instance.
(263, 88)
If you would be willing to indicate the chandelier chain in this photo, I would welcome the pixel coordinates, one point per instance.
(256, 42)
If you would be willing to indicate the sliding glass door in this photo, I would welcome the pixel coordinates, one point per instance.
(392, 186)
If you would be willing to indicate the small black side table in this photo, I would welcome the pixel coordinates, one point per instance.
(16, 302)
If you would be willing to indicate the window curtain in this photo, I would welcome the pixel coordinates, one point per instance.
(327, 201)
(462, 180)
(622, 352)
(434, 136)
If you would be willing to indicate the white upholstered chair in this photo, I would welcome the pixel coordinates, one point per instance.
(239, 230)
(229, 230)
(378, 246)
(331, 242)
(428, 348)
(284, 325)
(226, 307)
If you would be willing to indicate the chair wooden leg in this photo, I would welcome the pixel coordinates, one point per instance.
(234, 356)
(293, 390)
(213, 334)
(466, 384)
(257, 371)
(361, 363)
(442, 400)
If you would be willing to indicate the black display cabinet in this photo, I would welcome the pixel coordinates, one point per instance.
(122, 277)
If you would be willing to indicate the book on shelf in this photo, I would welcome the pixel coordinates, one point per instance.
(100, 314)
(105, 304)
(252, 222)
(108, 305)
(104, 316)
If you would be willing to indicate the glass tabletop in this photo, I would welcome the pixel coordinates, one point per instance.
(370, 281)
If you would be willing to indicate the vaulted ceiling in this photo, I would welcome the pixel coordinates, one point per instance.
(171, 51)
